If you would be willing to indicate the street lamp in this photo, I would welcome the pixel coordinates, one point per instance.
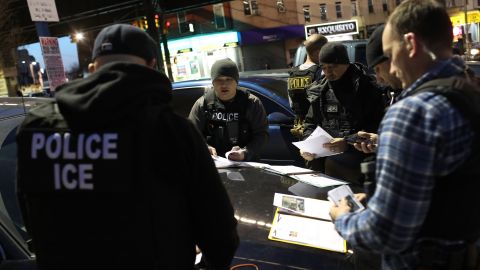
(79, 36)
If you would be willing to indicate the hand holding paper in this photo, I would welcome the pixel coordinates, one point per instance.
(314, 144)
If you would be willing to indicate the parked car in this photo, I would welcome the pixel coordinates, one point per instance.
(272, 91)
(13, 237)
(357, 52)
(252, 198)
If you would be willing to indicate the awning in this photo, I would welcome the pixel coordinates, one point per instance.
(257, 36)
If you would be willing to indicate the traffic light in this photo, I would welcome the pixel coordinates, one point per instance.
(145, 23)
(166, 27)
(157, 21)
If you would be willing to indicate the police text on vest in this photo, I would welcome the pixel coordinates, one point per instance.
(87, 147)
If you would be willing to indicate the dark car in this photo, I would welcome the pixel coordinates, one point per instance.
(252, 199)
(272, 91)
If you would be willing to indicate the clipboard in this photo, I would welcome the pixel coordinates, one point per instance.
(327, 238)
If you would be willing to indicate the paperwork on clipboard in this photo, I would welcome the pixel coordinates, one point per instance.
(314, 143)
(305, 221)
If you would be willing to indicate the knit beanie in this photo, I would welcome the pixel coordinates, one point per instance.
(375, 49)
(333, 53)
(224, 67)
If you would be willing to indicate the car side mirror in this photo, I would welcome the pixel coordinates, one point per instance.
(279, 118)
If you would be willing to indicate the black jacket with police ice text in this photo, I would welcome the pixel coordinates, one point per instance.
(110, 178)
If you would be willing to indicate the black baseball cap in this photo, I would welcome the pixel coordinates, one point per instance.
(124, 39)
(375, 49)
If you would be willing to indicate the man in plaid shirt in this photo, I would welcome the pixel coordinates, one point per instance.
(425, 142)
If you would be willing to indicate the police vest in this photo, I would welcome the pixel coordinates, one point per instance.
(226, 123)
(298, 82)
(454, 208)
(336, 119)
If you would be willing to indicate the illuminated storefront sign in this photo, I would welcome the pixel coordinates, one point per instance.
(459, 17)
(333, 29)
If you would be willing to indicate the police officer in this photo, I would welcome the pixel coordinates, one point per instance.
(346, 101)
(109, 177)
(424, 211)
(300, 78)
(232, 120)
(391, 85)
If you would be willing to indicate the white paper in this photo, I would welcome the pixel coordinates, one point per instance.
(221, 162)
(288, 169)
(314, 143)
(318, 180)
(303, 206)
(308, 231)
(337, 194)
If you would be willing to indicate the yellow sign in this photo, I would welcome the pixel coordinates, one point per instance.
(459, 17)
(3, 85)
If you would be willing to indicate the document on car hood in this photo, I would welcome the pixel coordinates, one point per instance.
(318, 180)
(314, 143)
(221, 162)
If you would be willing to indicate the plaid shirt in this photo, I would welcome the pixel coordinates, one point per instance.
(422, 137)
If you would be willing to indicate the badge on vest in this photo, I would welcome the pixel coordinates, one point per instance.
(332, 108)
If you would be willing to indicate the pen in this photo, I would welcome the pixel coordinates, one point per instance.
(296, 173)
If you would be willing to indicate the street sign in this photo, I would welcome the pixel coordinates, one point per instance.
(333, 29)
(43, 10)
(53, 61)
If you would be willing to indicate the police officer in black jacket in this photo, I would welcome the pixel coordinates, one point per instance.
(300, 78)
(231, 119)
(345, 101)
(110, 178)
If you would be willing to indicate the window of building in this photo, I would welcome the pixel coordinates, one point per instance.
(306, 13)
(323, 12)
(219, 15)
(385, 5)
(370, 6)
(338, 9)
(354, 8)
(246, 7)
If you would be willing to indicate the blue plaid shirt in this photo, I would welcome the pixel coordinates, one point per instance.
(422, 137)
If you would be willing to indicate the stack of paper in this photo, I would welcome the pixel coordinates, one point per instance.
(318, 180)
(287, 170)
(304, 221)
(313, 144)
(221, 162)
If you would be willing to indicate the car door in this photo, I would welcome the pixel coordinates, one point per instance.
(279, 150)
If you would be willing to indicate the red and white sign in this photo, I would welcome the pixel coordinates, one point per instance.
(53, 61)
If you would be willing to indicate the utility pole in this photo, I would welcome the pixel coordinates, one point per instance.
(467, 39)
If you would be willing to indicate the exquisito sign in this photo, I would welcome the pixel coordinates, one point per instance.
(333, 29)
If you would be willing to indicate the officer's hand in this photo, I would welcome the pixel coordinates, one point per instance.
(361, 197)
(367, 147)
(337, 145)
(341, 209)
(212, 151)
(237, 154)
(307, 156)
